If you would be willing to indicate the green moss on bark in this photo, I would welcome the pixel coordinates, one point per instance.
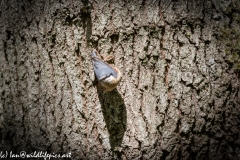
(231, 35)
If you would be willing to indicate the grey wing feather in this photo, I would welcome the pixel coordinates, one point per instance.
(102, 70)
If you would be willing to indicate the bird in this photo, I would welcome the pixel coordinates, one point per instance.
(108, 76)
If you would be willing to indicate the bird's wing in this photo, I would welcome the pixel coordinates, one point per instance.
(102, 69)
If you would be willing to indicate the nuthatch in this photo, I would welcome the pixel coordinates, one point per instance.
(108, 76)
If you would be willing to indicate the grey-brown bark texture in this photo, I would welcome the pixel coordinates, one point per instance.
(178, 99)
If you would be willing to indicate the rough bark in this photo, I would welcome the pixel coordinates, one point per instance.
(178, 99)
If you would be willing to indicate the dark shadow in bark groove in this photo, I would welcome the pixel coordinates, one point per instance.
(86, 20)
(115, 115)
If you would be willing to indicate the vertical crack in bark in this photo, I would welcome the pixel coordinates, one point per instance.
(5, 51)
(80, 59)
(142, 114)
(162, 41)
(87, 20)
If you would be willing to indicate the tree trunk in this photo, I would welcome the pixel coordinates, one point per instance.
(178, 98)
